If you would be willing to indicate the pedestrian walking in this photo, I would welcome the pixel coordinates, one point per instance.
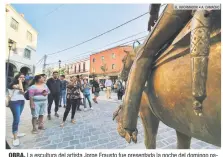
(95, 89)
(86, 92)
(38, 101)
(63, 90)
(32, 82)
(120, 90)
(17, 100)
(80, 100)
(115, 86)
(54, 85)
(73, 94)
(108, 85)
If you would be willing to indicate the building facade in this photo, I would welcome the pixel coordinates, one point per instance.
(81, 67)
(24, 39)
(108, 63)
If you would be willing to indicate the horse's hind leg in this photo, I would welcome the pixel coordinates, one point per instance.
(150, 124)
(183, 141)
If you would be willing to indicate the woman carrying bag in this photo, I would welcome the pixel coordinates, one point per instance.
(17, 100)
(73, 96)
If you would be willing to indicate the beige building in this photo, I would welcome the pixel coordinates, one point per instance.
(24, 38)
(81, 67)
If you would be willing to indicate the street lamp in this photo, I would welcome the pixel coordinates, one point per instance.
(135, 43)
(10, 44)
(59, 65)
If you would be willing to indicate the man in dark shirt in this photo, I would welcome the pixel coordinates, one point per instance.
(55, 86)
(63, 90)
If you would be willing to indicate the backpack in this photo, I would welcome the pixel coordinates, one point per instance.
(26, 95)
(122, 88)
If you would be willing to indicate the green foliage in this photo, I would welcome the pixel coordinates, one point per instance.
(62, 71)
(104, 68)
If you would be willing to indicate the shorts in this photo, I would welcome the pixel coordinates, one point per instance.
(40, 108)
(96, 93)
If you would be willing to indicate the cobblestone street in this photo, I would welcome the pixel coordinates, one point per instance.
(93, 129)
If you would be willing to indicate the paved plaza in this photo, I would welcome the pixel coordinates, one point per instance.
(94, 129)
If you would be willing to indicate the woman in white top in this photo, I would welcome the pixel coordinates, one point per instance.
(17, 89)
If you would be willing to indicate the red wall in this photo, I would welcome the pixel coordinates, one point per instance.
(108, 60)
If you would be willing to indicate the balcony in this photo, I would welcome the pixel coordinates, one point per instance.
(77, 71)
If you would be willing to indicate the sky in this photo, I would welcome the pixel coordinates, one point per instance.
(60, 26)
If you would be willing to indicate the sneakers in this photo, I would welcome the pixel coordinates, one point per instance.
(15, 142)
(94, 100)
(41, 128)
(91, 108)
(73, 121)
(19, 135)
(62, 124)
(85, 109)
(56, 114)
(49, 117)
(64, 106)
(79, 109)
(35, 131)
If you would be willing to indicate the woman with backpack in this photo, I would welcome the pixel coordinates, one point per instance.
(86, 92)
(38, 101)
(120, 90)
(95, 89)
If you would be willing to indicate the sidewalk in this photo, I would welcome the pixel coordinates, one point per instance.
(94, 129)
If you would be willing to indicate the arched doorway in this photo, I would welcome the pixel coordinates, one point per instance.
(25, 70)
(12, 69)
(11, 72)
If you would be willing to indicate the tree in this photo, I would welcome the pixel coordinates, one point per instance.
(62, 71)
(104, 68)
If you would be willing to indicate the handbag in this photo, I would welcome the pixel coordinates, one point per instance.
(8, 98)
(26, 95)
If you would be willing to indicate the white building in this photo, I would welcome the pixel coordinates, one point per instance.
(81, 67)
(24, 38)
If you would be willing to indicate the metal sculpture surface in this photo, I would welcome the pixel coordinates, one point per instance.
(165, 62)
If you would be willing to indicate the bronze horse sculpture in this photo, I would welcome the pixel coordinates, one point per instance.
(167, 94)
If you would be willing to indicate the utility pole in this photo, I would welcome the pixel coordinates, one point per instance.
(44, 64)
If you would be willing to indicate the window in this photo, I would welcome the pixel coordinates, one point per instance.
(93, 59)
(27, 53)
(14, 24)
(113, 66)
(29, 36)
(79, 67)
(83, 66)
(75, 69)
(93, 69)
(102, 58)
(113, 55)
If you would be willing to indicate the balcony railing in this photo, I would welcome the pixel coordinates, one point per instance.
(77, 71)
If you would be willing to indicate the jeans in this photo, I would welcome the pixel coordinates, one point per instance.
(70, 103)
(56, 99)
(16, 108)
(63, 96)
(88, 97)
